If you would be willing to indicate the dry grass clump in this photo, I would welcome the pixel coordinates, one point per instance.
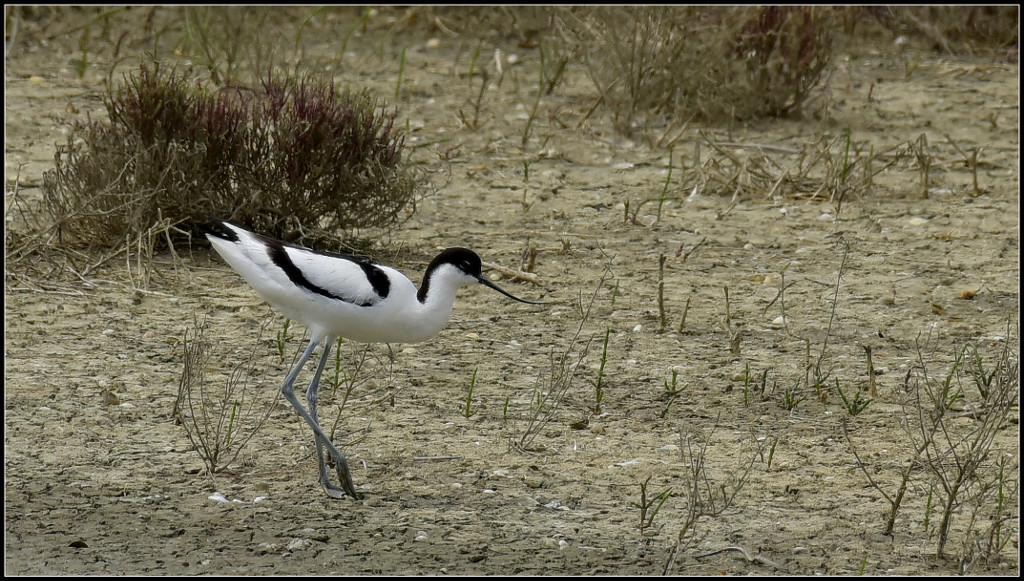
(299, 159)
(954, 456)
(679, 61)
(523, 23)
(714, 63)
(220, 422)
(960, 30)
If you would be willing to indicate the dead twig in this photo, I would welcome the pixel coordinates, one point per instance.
(747, 556)
(515, 274)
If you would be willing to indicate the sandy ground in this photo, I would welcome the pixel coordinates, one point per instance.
(99, 479)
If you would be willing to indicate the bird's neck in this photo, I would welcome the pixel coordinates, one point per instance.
(434, 305)
(437, 298)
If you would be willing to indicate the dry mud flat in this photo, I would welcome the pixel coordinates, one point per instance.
(96, 484)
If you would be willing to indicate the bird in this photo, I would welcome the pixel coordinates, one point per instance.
(341, 295)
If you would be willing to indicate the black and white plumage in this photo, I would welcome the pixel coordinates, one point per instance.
(338, 295)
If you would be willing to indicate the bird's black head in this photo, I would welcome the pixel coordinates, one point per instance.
(463, 259)
(468, 262)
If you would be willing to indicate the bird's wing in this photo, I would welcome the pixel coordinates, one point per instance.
(346, 278)
(271, 266)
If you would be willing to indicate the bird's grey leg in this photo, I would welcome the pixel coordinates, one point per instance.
(341, 466)
(311, 403)
(288, 390)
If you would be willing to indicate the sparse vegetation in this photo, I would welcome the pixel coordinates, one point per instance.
(473, 122)
(649, 506)
(958, 30)
(956, 456)
(600, 384)
(357, 365)
(226, 42)
(551, 391)
(672, 391)
(855, 403)
(791, 397)
(717, 63)
(468, 411)
(219, 422)
(283, 337)
(951, 423)
(707, 493)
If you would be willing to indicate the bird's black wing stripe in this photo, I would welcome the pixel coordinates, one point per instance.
(378, 279)
(220, 229)
(279, 256)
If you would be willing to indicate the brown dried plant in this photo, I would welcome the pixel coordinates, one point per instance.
(296, 158)
(959, 30)
(220, 422)
(715, 63)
